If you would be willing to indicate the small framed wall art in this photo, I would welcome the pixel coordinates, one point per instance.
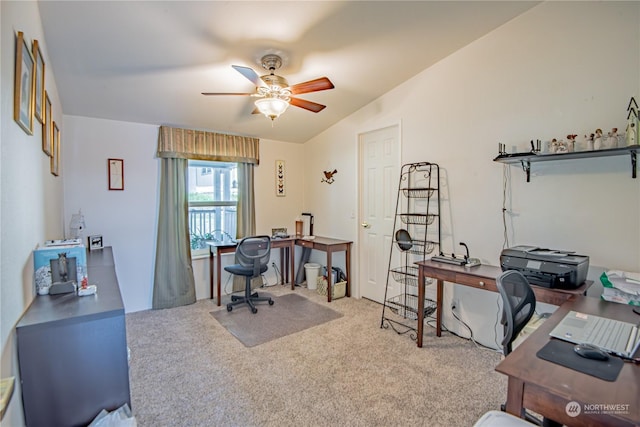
(281, 189)
(47, 127)
(95, 242)
(55, 150)
(23, 85)
(116, 174)
(39, 82)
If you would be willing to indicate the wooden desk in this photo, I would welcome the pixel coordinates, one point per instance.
(547, 388)
(480, 277)
(230, 247)
(330, 246)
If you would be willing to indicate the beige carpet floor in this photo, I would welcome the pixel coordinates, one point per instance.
(188, 370)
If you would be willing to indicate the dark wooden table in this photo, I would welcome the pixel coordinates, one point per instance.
(227, 247)
(330, 245)
(480, 277)
(547, 388)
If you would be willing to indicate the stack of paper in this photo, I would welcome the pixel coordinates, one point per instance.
(621, 286)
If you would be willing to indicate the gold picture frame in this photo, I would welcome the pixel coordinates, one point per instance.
(23, 85)
(47, 128)
(55, 150)
(116, 174)
(38, 85)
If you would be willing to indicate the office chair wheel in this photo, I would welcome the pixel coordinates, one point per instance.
(270, 302)
(229, 307)
(254, 310)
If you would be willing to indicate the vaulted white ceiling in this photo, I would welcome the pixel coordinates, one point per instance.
(149, 61)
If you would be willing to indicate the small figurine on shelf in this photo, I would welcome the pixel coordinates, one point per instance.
(632, 128)
(589, 139)
(632, 134)
(597, 141)
(612, 140)
(572, 143)
(553, 146)
(562, 147)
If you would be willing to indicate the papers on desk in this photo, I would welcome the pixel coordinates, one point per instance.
(621, 287)
(535, 321)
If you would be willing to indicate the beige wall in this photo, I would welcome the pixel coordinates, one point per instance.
(543, 75)
(30, 197)
(127, 220)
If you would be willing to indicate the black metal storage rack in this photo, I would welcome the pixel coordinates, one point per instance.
(416, 234)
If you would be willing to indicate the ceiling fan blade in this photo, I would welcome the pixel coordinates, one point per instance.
(225, 93)
(316, 85)
(307, 105)
(250, 74)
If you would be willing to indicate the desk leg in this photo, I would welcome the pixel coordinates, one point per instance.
(292, 254)
(439, 296)
(329, 274)
(219, 274)
(515, 395)
(282, 269)
(348, 266)
(421, 291)
(210, 272)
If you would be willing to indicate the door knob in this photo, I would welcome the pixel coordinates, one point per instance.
(366, 225)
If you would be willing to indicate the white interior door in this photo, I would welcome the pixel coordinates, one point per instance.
(379, 169)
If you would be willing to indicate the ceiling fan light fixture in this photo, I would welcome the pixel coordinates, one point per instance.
(272, 107)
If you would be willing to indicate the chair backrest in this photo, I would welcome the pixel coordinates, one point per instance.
(518, 305)
(254, 251)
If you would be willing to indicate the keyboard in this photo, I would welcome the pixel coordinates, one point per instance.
(608, 334)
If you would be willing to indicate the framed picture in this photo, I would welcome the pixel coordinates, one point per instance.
(47, 128)
(55, 149)
(23, 85)
(116, 174)
(281, 189)
(95, 242)
(38, 110)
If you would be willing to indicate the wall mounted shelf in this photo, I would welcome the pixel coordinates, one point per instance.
(525, 159)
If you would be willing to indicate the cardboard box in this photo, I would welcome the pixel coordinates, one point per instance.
(42, 264)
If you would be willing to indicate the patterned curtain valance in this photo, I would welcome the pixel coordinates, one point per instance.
(201, 145)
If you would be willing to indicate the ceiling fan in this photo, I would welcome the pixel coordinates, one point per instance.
(274, 93)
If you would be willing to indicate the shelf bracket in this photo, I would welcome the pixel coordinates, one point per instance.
(526, 166)
(634, 163)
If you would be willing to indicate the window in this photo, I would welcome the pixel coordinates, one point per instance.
(213, 199)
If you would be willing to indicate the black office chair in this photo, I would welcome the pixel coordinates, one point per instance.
(518, 306)
(252, 259)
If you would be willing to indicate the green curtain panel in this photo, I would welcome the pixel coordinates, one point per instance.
(246, 224)
(173, 283)
(246, 218)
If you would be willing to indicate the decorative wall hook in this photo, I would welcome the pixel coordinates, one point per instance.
(328, 176)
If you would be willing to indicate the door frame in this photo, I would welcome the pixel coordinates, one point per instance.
(356, 291)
